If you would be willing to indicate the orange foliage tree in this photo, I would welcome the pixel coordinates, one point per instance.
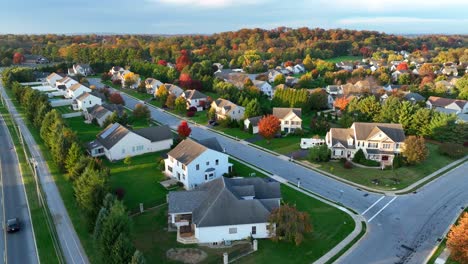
(402, 66)
(341, 103)
(426, 70)
(268, 127)
(183, 60)
(457, 240)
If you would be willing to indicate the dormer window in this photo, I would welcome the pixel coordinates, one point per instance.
(350, 141)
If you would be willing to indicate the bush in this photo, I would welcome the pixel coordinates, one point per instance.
(190, 113)
(452, 150)
(298, 132)
(360, 158)
(192, 109)
(397, 161)
(119, 193)
(348, 165)
(319, 154)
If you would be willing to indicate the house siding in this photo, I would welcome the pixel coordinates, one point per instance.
(221, 233)
(127, 146)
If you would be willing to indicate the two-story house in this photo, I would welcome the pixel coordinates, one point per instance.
(195, 99)
(53, 78)
(65, 82)
(193, 163)
(379, 141)
(225, 109)
(290, 118)
(80, 69)
(76, 90)
(85, 100)
(117, 142)
(264, 87)
(174, 89)
(224, 210)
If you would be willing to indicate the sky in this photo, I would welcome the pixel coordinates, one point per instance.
(212, 16)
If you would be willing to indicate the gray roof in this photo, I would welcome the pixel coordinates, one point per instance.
(366, 130)
(281, 112)
(211, 143)
(341, 135)
(254, 120)
(194, 94)
(219, 202)
(414, 97)
(98, 111)
(112, 134)
(155, 133)
(83, 96)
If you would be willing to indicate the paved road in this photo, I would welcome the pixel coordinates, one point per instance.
(402, 229)
(68, 239)
(20, 246)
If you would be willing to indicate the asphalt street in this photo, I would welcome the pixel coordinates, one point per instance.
(401, 229)
(20, 246)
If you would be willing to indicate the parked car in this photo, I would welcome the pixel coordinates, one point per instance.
(13, 225)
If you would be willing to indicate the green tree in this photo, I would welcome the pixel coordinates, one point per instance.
(404, 79)
(180, 104)
(101, 217)
(318, 100)
(405, 114)
(73, 156)
(128, 160)
(211, 114)
(122, 250)
(138, 258)
(319, 153)
(279, 79)
(253, 109)
(117, 223)
(369, 108)
(462, 86)
(388, 114)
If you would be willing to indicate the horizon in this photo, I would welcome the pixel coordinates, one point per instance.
(205, 17)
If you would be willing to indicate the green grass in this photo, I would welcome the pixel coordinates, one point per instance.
(42, 232)
(282, 145)
(65, 109)
(66, 192)
(132, 92)
(85, 132)
(390, 179)
(200, 117)
(344, 58)
(140, 180)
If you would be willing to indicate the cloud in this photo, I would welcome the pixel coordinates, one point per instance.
(393, 5)
(209, 3)
(396, 20)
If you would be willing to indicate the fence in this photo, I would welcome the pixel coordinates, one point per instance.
(60, 102)
(70, 115)
(241, 251)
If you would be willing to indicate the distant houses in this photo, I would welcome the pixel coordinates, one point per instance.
(80, 69)
(117, 142)
(446, 105)
(100, 113)
(195, 99)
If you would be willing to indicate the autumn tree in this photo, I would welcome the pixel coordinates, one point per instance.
(184, 130)
(308, 63)
(457, 240)
(116, 98)
(268, 126)
(279, 79)
(162, 93)
(183, 60)
(130, 79)
(289, 224)
(18, 58)
(180, 104)
(170, 101)
(185, 81)
(402, 66)
(426, 70)
(415, 150)
(341, 103)
(141, 111)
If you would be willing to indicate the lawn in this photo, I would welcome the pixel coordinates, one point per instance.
(284, 145)
(140, 181)
(43, 233)
(65, 109)
(200, 117)
(344, 58)
(234, 132)
(134, 93)
(390, 179)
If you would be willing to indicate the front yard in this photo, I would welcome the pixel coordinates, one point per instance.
(284, 145)
(389, 179)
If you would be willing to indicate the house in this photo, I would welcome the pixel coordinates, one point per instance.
(379, 141)
(224, 210)
(195, 98)
(450, 70)
(80, 69)
(116, 71)
(53, 78)
(264, 87)
(414, 97)
(101, 112)
(254, 122)
(117, 142)
(66, 82)
(334, 89)
(152, 85)
(345, 65)
(457, 106)
(174, 89)
(290, 118)
(396, 74)
(194, 163)
(225, 108)
(299, 68)
(291, 81)
(85, 100)
(76, 90)
(272, 75)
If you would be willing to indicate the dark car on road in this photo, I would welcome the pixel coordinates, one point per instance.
(13, 225)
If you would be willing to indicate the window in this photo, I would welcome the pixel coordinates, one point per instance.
(397, 145)
(372, 145)
(206, 177)
(197, 167)
(386, 146)
(89, 102)
(183, 166)
(169, 168)
(178, 163)
(183, 176)
(207, 163)
(217, 162)
(233, 230)
(254, 230)
(286, 122)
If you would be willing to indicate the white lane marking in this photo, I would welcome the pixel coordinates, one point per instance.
(370, 207)
(382, 209)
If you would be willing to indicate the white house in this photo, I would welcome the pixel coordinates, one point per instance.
(66, 82)
(81, 69)
(224, 210)
(345, 65)
(174, 89)
(101, 112)
(299, 68)
(264, 87)
(378, 141)
(117, 142)
(152, 85)
(85, 100)
(334, 89)
(456, 106)
(53, 78)
(396, 74)
(254, 122)
(193, 163)
(225, 108)
(195, 98)
(76, 90)
(290, 118)
(272, 75)
(116, 71)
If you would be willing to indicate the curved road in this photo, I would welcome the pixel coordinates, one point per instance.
(20, 246)
(401, 229)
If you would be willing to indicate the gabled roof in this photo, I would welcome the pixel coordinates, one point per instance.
(83, 96)
(341, 135)
(211, 143)
(226, 104)
(220, 203)
(186, 151)
(98, 111)
(254, 120)
(76, 86)
(54, 76)
(443, 102)
(174, 89)
(364, 131)
(281, 112)
(112, 134)
(414, 97)
(194, 94)
(155, 133)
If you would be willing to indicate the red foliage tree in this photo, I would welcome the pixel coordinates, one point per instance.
(341, 103)
(185, 81)
(268, 127)
(365, 51)
(162, 62)
(288, 63)
(116, 98)
(184, 130)
(183, 60)
(18, 58)
(402, 66)
(426, 80)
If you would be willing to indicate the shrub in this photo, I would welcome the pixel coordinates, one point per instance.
(397, 161)
(348, 165)
(319, 154)
(452, 150)
(360, 158)
(192, 109)
(190, 113)
(119, 193)
(298, 132)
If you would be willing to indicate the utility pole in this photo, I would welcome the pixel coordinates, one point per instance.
(38, 191)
